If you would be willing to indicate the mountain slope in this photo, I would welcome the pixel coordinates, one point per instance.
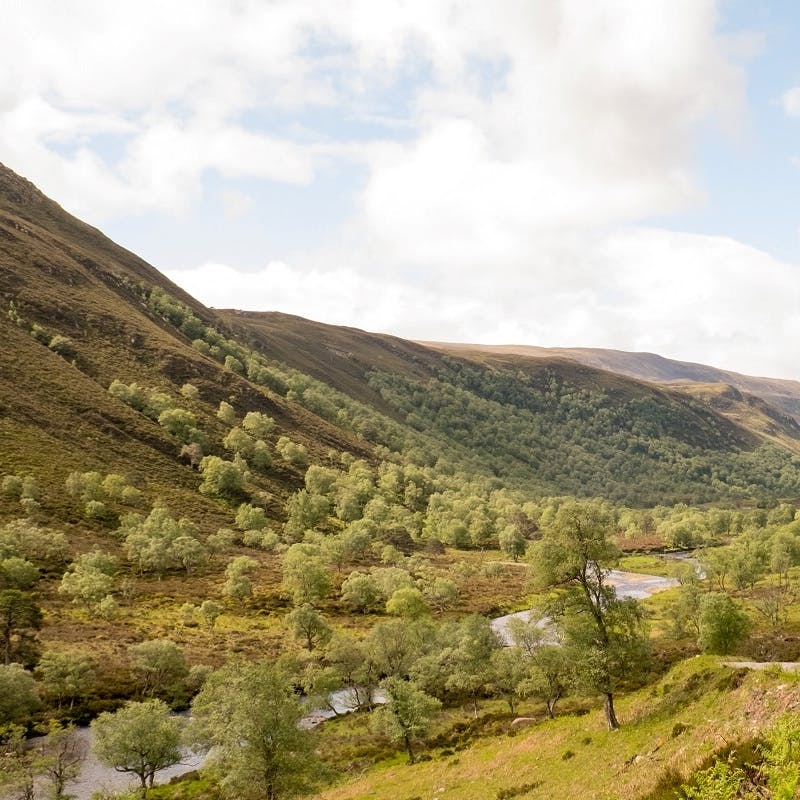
(62, 278)
(81, 313)
(783, 394)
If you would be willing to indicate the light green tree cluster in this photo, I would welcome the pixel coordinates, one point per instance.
(90, 578)
(23, 489)
(158, 543)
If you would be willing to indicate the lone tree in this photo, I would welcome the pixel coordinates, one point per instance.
(603, 634)
(140, 738)
(249, 714)
(407, 714)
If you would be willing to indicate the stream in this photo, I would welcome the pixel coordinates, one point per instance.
(94, 777)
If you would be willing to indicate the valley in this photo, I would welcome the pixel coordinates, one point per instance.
(224, 511)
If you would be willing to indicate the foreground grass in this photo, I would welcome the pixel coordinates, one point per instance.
(669, 729)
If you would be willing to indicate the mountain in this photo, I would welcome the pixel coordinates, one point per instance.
(83, 315)
(782, 394)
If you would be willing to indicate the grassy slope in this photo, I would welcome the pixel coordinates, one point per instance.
(56, 417)
(669, 729)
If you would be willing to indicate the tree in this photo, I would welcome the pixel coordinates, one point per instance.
(361, 592)
(226, 413)
(258, 424)
(17, 573)
(509, 670)
(89, 578)
(221, 478)
(307, 623)
(407, 713)
(18, 697)
(305, 574)
(19, 616)
(60, 756)
(179, 422)
(210, 611)
(159, 666)
(249, 714)
(604, 635)
(722, 623)
(549, 676)
(238, 585)
(65, 676)
(407, 602)
(250, 518)
(140, 738)
(512, 542)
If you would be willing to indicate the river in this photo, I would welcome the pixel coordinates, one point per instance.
(95, 777)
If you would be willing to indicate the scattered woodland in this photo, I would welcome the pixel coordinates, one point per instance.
(252, 518)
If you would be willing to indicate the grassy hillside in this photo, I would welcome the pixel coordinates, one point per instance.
(672, 728)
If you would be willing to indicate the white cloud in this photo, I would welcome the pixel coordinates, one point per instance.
(791, 102)
(697, 298)
(527, 141)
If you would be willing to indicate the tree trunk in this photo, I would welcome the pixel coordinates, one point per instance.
(611, 717)
(408, 749)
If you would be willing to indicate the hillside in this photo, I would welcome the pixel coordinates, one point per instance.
(81, 313)
(782, 394)
(699, 710)
(547, 424)
(207, 484)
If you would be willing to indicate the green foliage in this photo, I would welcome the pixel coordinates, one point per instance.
(210, 612)
(17, 573)
(362, 593)
(512, 542)
(221, 478)
(407, 714)
(249, 714)
(258, 425)
(304, 511)
(407, 602)
(226, 413)
(159, 667)
(190, 391)
(552, 433)
(307, 624)
(24, 539)
(250, 518)
(180, 423)
(722, 623)
(141, 738)
(238, 585)
(720, 781)
(65, 677)
(604, 635)
(158, 543)
(89, 578)
(18, 697)
(59, 757)
(305, 575)
(292, 452)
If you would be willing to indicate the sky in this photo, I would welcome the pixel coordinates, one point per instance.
(593, 173)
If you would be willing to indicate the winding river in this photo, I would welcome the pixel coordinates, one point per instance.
(96, 777)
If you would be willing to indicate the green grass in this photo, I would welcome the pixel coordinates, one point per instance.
(668, 730)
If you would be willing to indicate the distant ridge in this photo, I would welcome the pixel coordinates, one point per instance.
(781, 393)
